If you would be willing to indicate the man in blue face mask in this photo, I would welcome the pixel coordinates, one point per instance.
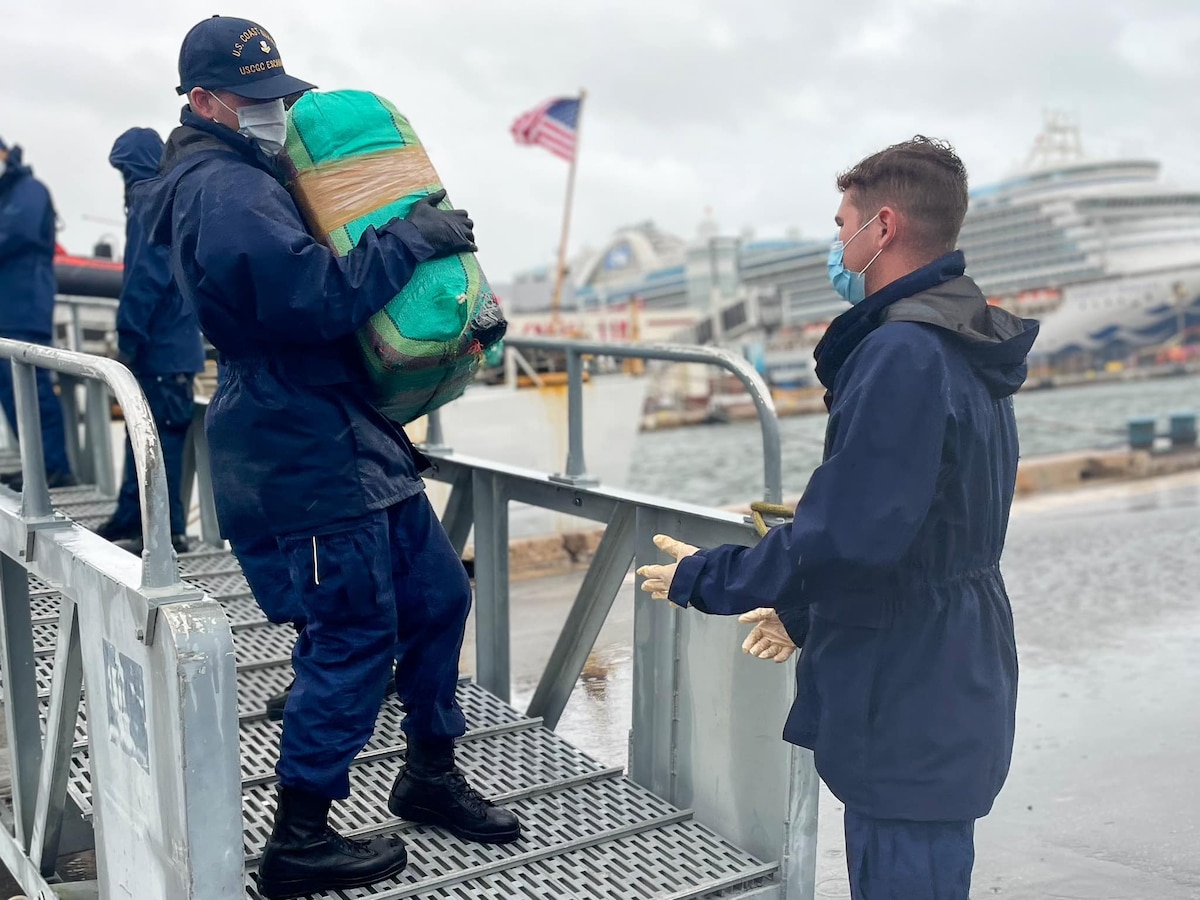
(301, 458)
(850, 285)
(888, 579)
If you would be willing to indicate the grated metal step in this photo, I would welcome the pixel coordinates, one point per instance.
(588, 832)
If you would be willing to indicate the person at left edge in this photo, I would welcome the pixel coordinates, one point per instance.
(158, 338)
(27, 301)
(297, 449)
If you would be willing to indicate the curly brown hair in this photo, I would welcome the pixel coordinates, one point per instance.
(923, 179)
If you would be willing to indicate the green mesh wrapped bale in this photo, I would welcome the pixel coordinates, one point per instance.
(352, 161)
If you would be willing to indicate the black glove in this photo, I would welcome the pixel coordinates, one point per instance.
(448, 231)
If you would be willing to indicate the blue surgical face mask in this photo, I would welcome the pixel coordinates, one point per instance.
(852, 286)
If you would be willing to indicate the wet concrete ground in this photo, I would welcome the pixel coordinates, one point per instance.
(1103, 800)
(1104, 796)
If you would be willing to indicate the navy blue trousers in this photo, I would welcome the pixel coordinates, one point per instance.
(384, 587)
(891, 859)
(54, 435)
(266, 571)
(171, 402)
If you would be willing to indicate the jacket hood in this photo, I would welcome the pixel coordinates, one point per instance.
(14, 168)
(137, 154)
(995, 341)
(194, 135)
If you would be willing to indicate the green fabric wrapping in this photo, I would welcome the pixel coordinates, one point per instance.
(425, 347)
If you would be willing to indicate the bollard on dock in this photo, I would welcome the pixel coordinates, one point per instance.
(1141, 433)
(1183, 430)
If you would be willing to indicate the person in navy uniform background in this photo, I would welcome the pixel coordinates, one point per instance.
(158, 338)
(297, 448)
(27, 221)
(889, 576)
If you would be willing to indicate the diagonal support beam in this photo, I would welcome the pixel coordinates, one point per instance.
(493, 650)
(459, 515)
(66, 691)
(20, 694)
(592, 604)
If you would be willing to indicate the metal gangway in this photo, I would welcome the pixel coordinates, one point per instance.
(134, 689)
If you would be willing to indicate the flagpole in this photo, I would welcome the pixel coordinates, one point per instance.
(561, 272)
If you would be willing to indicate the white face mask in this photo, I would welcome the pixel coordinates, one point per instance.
(263, 123)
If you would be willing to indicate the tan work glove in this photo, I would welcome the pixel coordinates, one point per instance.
(768, 639)
(659, 578)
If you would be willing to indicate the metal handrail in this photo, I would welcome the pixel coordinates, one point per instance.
(159, 569)
(576, 467)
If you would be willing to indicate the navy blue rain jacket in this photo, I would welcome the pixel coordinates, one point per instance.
(296, 445)
(889, 576)
(157, 331)
(26, 253)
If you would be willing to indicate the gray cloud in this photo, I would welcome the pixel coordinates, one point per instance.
(750, 108)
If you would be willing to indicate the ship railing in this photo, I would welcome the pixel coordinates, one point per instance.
(153, 657)
(706, 719)
(575, 469)
(77, 308)
(89, 453)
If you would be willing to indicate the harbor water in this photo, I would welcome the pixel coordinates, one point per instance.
(719, 465)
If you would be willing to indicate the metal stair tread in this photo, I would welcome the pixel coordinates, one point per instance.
(508, 763)
(669, 855)
(571, 806)
(259, 739)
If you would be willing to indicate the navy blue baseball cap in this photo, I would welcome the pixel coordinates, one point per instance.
(235, 55)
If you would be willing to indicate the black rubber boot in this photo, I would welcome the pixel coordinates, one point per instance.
(304, 855)
(276, 704)
(134, 543)
(431, 790)
(16, 481)
(111, 531)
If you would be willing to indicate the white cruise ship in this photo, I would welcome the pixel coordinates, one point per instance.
(1105, 253)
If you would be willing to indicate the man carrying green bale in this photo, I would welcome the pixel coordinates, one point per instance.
(299, 450)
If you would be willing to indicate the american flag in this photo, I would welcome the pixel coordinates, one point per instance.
(552, 125)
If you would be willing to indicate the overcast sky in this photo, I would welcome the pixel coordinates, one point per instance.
(750, 107)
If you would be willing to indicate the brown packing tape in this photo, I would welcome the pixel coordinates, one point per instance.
(334, 194)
